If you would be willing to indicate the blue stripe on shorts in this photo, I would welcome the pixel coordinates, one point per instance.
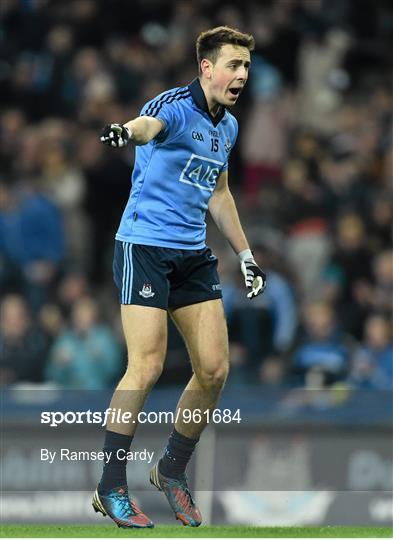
(128, 274)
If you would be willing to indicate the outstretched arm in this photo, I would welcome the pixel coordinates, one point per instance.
(223, 210)
(140, 131)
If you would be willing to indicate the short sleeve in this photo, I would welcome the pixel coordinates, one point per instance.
(166, 108)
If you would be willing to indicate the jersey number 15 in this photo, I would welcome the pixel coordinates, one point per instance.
(214, 146)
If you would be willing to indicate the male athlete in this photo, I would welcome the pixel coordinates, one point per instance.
(161, 262)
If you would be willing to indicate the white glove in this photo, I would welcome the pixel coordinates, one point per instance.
(254, 277)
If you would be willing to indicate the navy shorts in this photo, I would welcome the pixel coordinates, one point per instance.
(164, 277)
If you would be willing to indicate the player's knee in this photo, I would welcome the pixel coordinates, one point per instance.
(146, 372)
(215, 377)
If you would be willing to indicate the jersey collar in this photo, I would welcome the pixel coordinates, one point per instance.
(198, 95)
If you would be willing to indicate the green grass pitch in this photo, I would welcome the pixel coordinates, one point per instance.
(109, 531)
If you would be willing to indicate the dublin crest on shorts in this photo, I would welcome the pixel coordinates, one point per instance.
(146, 291)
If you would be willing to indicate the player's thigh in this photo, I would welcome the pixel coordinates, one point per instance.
(203, 327)
(140, 273)
(145, 331)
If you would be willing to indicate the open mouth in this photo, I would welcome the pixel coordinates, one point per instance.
(235, 91)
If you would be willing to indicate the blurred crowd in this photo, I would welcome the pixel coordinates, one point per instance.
(312, 174)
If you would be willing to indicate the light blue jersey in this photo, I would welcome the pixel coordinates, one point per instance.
(175, 174)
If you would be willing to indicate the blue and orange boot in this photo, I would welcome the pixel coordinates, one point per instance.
(124, 512)
(179, 497)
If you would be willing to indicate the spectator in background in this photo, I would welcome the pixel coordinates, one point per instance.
(86, 355)
(85, 77)
(264, 140)
(381, 297)
(51, 321)
(54, 61)
(323, 352)
(380, 219)
(26, 153)
(320, 78)
(348, 269)
(12, 124)
(342, 186)
(372, 363)
(23, 346)
(72, 287)
(63, 182)
(273, 372)
(31, 238)
(303, 213)
(377, 296)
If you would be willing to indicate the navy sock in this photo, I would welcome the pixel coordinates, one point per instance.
(177, 454)
(114, 473)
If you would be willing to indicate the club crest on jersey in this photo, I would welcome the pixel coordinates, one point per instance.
(227, 145)
(201, 172)
(146, 291)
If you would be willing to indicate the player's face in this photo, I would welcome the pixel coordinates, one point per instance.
(229, 74)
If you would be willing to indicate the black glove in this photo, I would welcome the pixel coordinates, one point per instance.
(254, 277)
(115, 135)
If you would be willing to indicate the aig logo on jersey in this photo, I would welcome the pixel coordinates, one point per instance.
(201, 172)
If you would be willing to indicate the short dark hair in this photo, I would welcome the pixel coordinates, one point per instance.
(209, 43)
